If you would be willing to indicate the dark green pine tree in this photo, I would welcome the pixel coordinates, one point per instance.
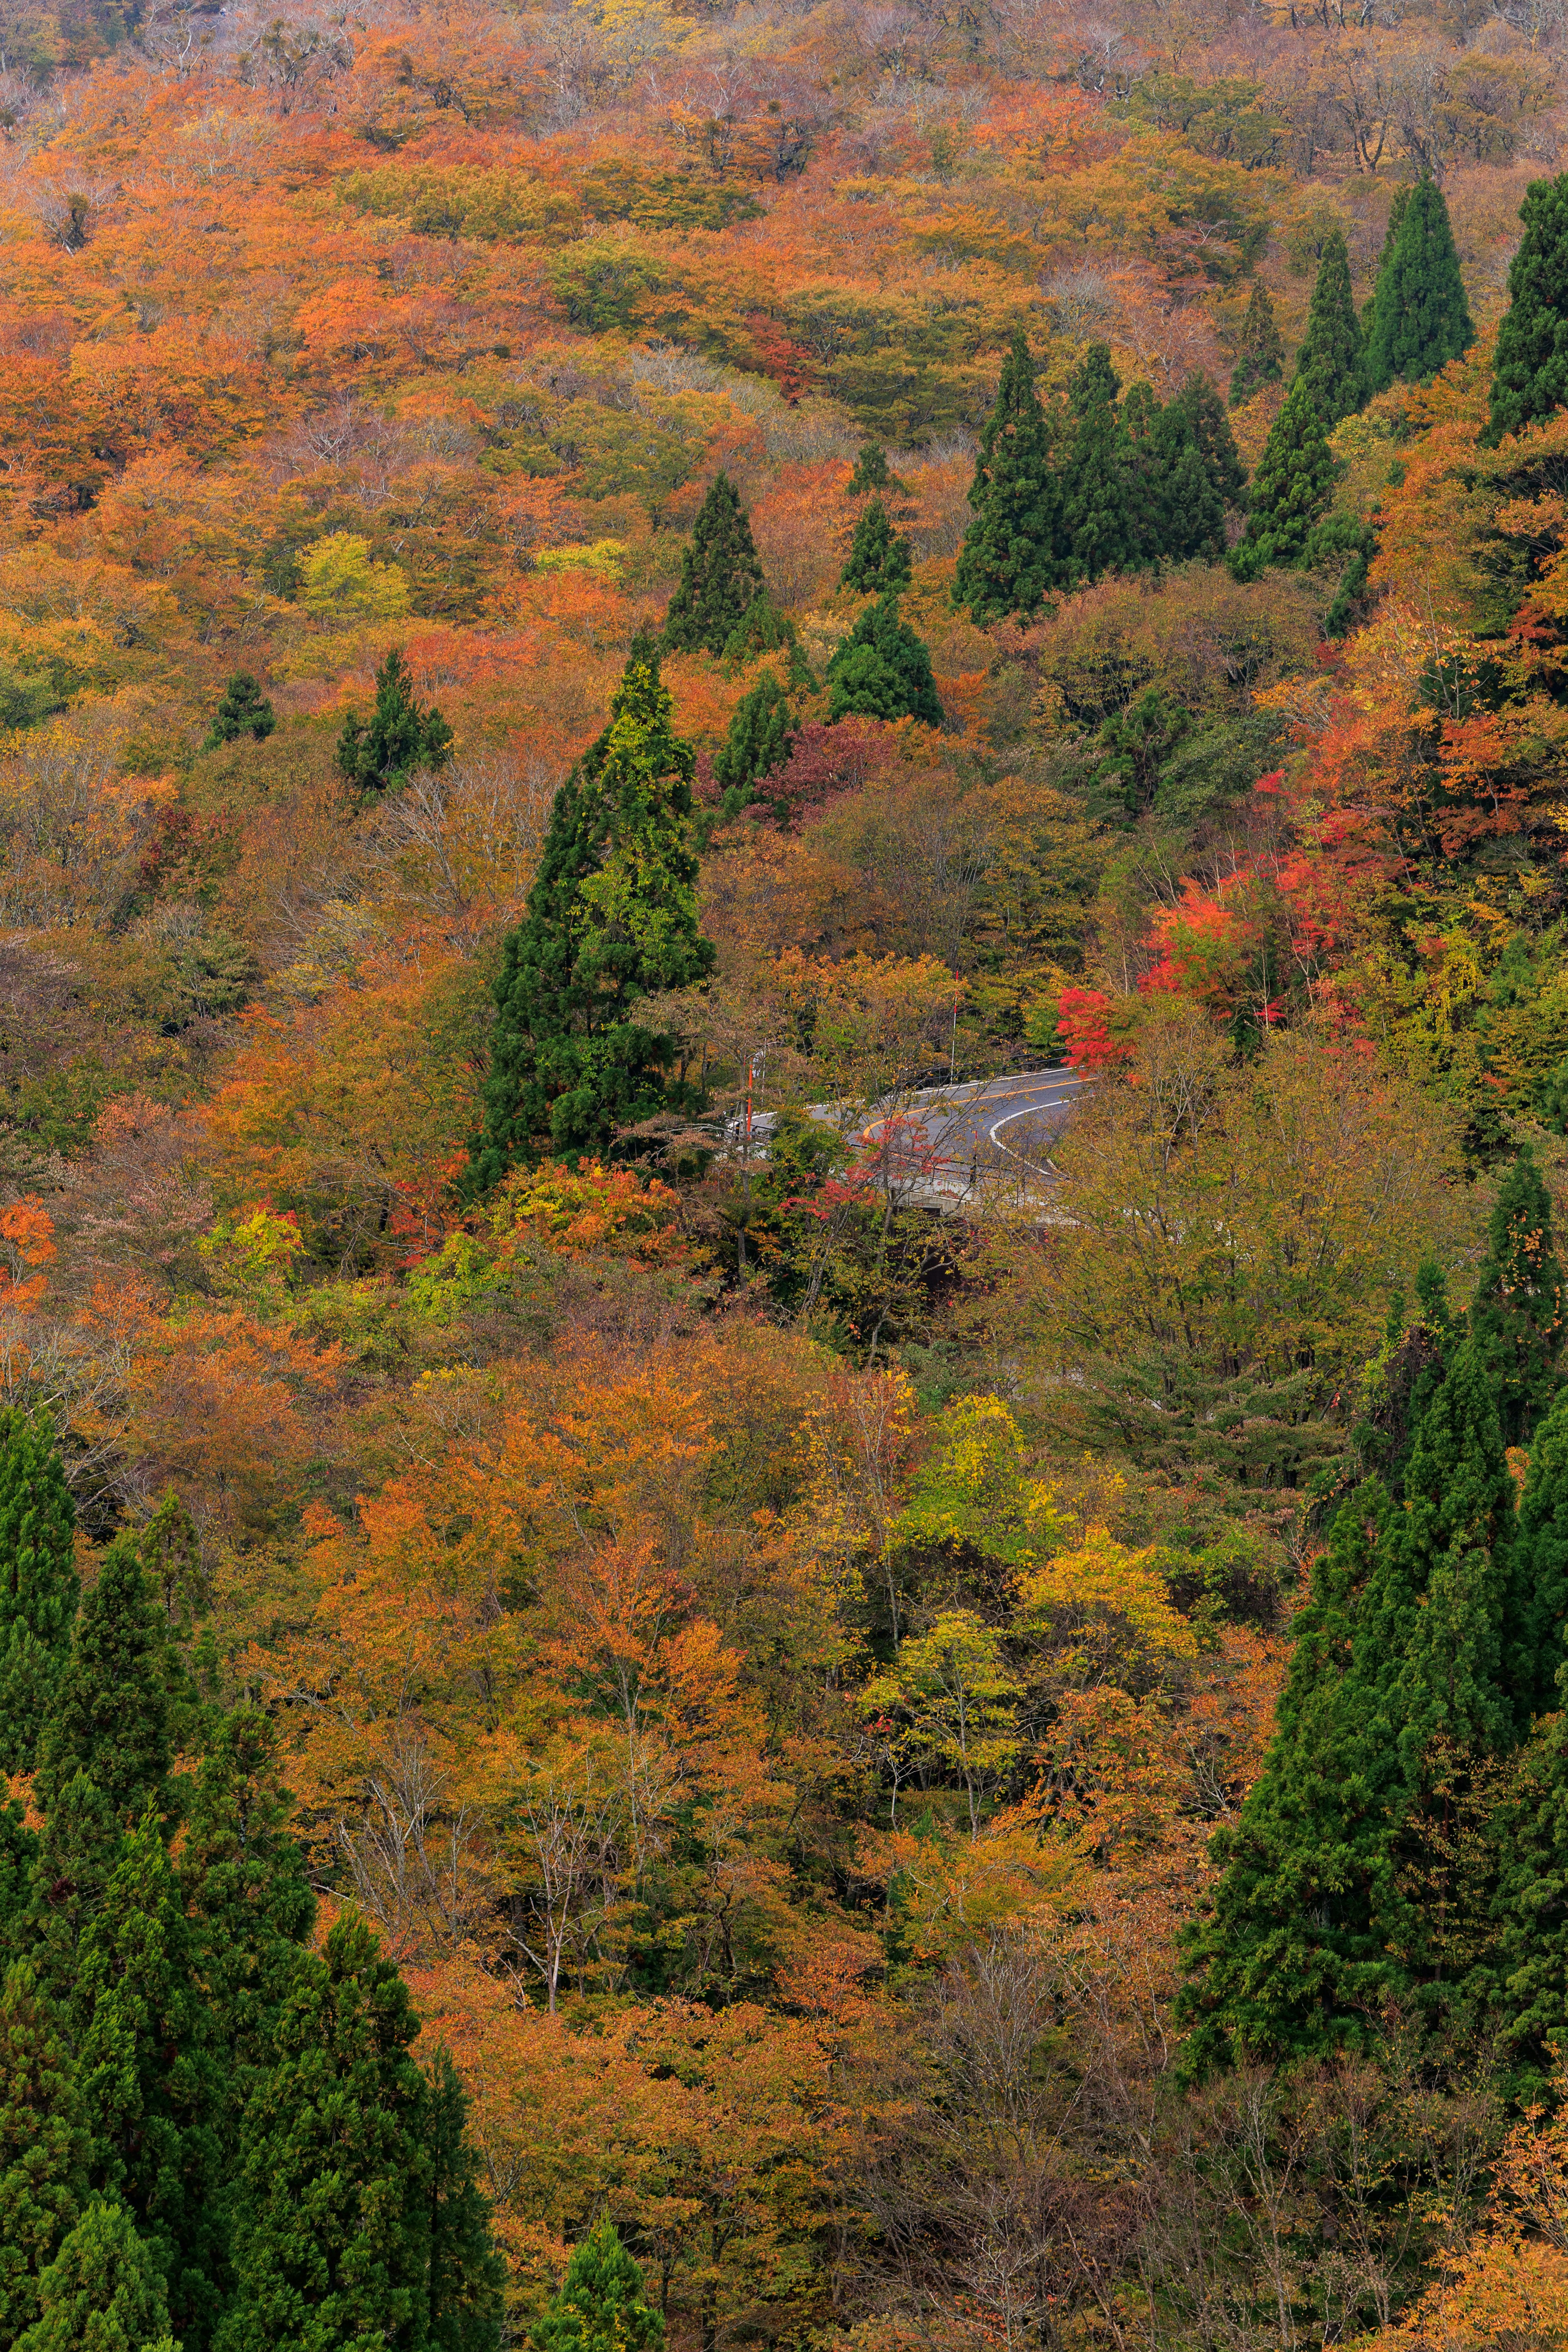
(1331, 366)
(1099, 527)
(1529, 1972)
(109, 1714)
(760, 739)
(720, 575)
(1340, 1897)
(1291, 490)
(611, 918)
(332, 2245)
(244, 710)
(878, 557)
(102, 2292)
(403, 735)
(1517, 1313)
(149, 2073)
(1261, 358)
(1152, 443)
(1015, 551)
(600, 2305)
(872, 472)
(38, 1586)
(44, 2148)
(18, 1864)
(1537, 1573)
(1199, 399)
(467, 2276)
(882, 670)
(1529, 373)
(1191, 511)
(1420, 318)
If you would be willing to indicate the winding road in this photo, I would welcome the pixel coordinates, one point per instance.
(987, 1124)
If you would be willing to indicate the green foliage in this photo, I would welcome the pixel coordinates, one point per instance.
(600, 2306)
(882, 670)
(1530, 374)
(872, 472)
(602, 284)
(1331, 366)
(1261, 358)
(467, 2276)
(759, 740)
(402, 736)
(108, 1716)
(244, 710)
(102, 2292)
(611, 918)
(1420, 318)
(1538, 1568)
(1290, 489)
(1517, 1313)
(37, 1581)
(879, 558)
(1013, 551)
(44, 2148)
(720, 576)
(1097, 514)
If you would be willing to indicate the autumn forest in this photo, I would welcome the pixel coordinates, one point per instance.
(656, 1689)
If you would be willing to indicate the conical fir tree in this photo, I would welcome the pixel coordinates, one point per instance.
(600, 2305)
(102, 2292)
(611, 918)
(1538, 1574)
(1291, 490)
(402, 737)
(1261, 359)
(872, 472)
(1199, 400)
(44, 2148)
(879, 559)
(1013, 551)
(882, 670)
(1530, 374)
(1420, 318)
(1529, 1987)
(760, 737)
(1331, 366)
(467, 2276)
(37, 1581)
(720, 575)
(333, 2241)
(109, 1715)
(1517, 1314)
(244, 710)
(1191, 501)
(1098, 523)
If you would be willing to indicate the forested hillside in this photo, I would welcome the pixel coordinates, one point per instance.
(641, 1710)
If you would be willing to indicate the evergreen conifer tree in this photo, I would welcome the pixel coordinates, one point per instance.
(1191, 506)
(879, 559)
(612, 916)
(882, 670)
(82, 1841)
(102, 2292)
(872, 472)
(332, 2245)
(1538, 1574)
(44, 2148)
(1529, 1987)
(1420, 318)
(402, 737)
(1530, 374)
(760, 737)
(109, 1715)
(37, 1581)
(600, 2306)
(244, 710)
(1013, 551)
(1521, 1299)
(1099, 527)
(1199, 399)
(466, 2274)
(1291, 490)
(1155, 441)
(760, 629)
(1331, 366)
(720, 575)
(18, 1864)
(1261, 359)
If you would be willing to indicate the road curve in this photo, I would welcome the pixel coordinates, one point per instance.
(1013, 1118)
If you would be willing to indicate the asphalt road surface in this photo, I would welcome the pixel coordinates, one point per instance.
(991, 1123)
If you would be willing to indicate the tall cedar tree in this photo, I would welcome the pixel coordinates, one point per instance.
(244, 710)
(18, 1864)
(152, 2078)
(872, 472)
(1190, 516)
(109, 1715)
(1290, 489)
(882, 670)
(467, 2277)
(1420, 318)
(760, 739)
(612, 916)
(1529, 373)
(1199, 398)
(1261, 358)
(38, 1587)
(332, 2244)
(1014, 549)
(44, 2148)
(1537, 1573)
(1331, 366)
(1529, 1987)
(1517, 1313)
(1096, 509)
(600, 2305)
(403, 735)
(878, 557)
(720, 575)
(1154, 440)
(102, 2292)
(1330, 1909)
